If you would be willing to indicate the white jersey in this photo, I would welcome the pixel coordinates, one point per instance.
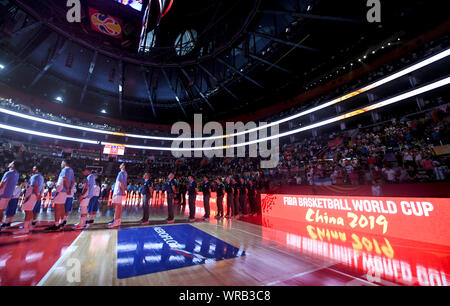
(17, 192)
(74, 190)
(96, 192)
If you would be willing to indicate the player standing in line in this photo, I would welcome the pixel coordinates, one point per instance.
(192, 192)
(171, 189)
(85, 197)
(251, 188)
(32, 194)
(93, 203)
(230, 198)
(37, 206)
(69, 204)
(206, 189)
(119, 195)
(243, 197)
(7, 186)
(12, 205)
(64, 186)
(147, 195)
(220, 193)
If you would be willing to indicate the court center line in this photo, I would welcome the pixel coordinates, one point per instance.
(300, 274)
(354, 277)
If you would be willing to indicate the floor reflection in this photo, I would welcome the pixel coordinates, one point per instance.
(378, 259)
(148, 250)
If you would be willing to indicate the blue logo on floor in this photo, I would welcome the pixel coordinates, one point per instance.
(147, 250)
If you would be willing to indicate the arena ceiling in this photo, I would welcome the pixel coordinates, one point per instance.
(216, 57)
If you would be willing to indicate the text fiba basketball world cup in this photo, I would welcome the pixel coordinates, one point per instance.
(238, 138)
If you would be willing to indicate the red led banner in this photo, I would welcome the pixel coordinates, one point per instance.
(418, 219)
(378, 259)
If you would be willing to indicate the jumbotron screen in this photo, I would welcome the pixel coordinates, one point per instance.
(135, 4)
(114, 150)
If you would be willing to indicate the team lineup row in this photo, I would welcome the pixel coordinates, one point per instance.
(65, 188)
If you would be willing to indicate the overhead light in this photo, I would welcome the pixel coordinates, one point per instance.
(2, 67)
(383, 103)
(103, 111)
(60, 99)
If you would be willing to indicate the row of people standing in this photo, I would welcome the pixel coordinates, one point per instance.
(239, 193)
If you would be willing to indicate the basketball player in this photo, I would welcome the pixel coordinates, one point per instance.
(183, 190)
(69, 204)
(93, 203)
(64, 186)
(147, 195)
(12, 205)
(192, 191)
(243, 197)
(7, 186)
(32, 194)
(251, 188)
(37, 206)
(119, 195)
(230, 198)
(220, 193)
(170, 193)
(85, 198)
(206, 189)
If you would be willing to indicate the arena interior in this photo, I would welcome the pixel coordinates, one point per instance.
(315, 148)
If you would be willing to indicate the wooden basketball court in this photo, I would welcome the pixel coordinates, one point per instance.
(227, 252)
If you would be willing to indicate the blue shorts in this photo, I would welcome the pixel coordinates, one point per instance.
(93, 205)
(37, 207)
(12, 207)
(68, 204)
